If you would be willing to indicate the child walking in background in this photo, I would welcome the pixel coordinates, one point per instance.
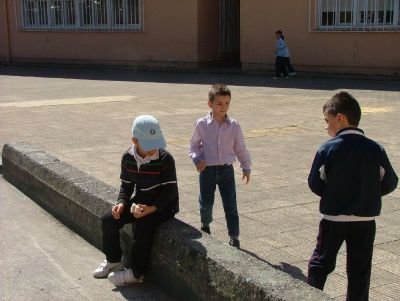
(350, 173)
(283, 67)
(216, 142)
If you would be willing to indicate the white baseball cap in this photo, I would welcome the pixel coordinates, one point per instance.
(146, 129)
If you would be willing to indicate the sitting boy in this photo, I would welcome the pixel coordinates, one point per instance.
(148, 170)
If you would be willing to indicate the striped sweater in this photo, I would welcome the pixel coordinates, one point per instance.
(154, 183)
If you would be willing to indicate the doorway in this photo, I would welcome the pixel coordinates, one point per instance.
(229, 30)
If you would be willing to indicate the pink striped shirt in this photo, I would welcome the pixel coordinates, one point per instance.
(219, 144)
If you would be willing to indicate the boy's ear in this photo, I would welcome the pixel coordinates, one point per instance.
(342, 119)
(210, 103)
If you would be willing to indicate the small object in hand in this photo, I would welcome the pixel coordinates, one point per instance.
(136, 208)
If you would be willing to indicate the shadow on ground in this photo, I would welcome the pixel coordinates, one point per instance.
(292, 270)
(229, 76)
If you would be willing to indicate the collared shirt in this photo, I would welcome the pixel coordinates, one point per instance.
(139, 159)
(219, 144)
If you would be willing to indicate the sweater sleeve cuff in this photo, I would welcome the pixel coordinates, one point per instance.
(122, 201)
(196, 160)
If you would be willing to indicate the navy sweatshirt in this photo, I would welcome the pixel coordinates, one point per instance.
(353, 184)
(154, 183)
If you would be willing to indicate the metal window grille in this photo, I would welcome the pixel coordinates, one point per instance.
(80, 15)
(355, 15)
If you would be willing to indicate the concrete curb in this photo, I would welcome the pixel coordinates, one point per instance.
(186, 264)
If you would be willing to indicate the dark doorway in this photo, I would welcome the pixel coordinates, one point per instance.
(229, 30)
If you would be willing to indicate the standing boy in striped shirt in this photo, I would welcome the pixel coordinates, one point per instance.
(216, 142)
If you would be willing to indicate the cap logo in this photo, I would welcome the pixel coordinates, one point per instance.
(152, 131)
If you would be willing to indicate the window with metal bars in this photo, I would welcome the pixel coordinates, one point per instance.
(95, 15)
(358, 15)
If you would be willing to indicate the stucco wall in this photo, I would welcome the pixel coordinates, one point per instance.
(208, 30)
(186, 32)
(169, 36)
(4, 49)
(364, 52)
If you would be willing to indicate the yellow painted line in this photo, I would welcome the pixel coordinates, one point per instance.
(372, 110)
(271, 131)
(69, 101)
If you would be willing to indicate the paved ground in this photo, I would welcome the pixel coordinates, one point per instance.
(84, 118)
(43, 260)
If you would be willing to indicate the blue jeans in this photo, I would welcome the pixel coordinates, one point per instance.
(224, 177)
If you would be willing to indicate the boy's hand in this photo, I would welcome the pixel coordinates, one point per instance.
(117, 210)
(140, 210)
(201, 165)
(246, 178)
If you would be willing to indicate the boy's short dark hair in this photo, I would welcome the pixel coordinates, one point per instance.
(346, 104)
(218, 90)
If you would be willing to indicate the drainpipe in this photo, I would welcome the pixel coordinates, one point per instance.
(8, 41)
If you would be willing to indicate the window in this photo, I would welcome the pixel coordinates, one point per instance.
(358, 15)
(56, 12)
(35, 12)
(109, 15)
(125, 16)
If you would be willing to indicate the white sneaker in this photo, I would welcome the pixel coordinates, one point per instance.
(106, 268)
(123, 278)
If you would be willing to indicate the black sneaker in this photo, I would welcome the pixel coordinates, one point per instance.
(206, 229)
(234, 242)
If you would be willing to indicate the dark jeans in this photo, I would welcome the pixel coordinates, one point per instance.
(142, 236)
(359, 237)
(224, 177)
(288, 65)
(280, 66)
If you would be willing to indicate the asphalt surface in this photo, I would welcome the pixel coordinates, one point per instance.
(42, 260)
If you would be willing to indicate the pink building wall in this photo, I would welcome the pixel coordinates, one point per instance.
(208, 30)
(4, 38)
(186, 34)
(356, 52)
(171, 36)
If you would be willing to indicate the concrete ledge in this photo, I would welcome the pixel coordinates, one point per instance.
(186, 264)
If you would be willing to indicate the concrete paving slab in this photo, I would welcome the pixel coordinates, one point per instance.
(283, 127)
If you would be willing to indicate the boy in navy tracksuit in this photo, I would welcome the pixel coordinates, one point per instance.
(350, 173)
